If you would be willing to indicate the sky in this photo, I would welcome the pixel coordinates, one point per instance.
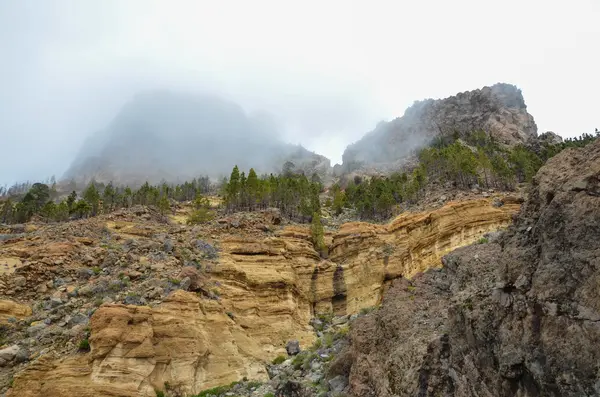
(327, 71)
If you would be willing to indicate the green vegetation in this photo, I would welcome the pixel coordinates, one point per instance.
(294, 194)
(23, 201)
(84, 345)
(473, 160)
(202, 212)
(367, 310)
(482, 240)
(216, 391)
(279, 359)
(316, 233)
(159, 393)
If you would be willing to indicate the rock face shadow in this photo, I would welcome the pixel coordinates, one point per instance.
(338, 301)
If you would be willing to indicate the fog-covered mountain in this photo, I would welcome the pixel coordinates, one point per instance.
(177, 136)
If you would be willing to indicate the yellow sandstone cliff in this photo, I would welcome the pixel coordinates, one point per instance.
(269, 289)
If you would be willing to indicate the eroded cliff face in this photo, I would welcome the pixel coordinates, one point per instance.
(516, 317)
(189, 343)
(263, 289)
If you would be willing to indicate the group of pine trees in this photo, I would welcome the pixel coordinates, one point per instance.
(293, 193)
(474, 160)
(40, 200)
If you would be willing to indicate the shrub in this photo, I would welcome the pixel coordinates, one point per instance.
(253, 384)
(84, 345)
(279, 359)
(483, 240)
(366, 310)
(318, 343)
(201, 215)
(159, 393)
(216, 391)
(343, 331)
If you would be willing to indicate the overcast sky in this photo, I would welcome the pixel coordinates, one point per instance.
(328, 71)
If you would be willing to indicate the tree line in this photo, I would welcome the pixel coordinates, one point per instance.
(293, 193)
(473, 160)
(41, 200)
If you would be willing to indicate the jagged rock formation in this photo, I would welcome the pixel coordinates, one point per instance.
(516, 317)
(499, 110)
(267, 286)
(550, 138)
(176, 137)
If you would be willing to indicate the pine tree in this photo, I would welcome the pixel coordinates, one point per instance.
(92, 196)
(163, 204)
(233, 188)
(252, 188)
(71, 200)
(108, 198)
(316, 232)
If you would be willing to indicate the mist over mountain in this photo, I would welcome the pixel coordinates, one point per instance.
(499, 110)
(177, 136)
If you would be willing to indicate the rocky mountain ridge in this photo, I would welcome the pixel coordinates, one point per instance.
(498, 110)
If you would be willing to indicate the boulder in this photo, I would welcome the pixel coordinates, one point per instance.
(292, 347)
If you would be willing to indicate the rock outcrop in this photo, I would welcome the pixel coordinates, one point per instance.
(515, 317)
(10, 310)
(188, 343)
(259, 290)
(499, 110)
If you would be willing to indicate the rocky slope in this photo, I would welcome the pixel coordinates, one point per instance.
(499, 110)
(197, 307)
(515, 317)
(176, 136)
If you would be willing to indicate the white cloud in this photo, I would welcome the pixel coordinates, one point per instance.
(328, 71)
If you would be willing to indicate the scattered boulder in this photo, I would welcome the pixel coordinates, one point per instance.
(292, 347)
(195, 278)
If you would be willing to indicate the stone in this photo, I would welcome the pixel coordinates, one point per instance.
(337, 384)
(196, 279)
(35, 328)
(185, 283)
(133, 300)
(85, 290)
(292, 347)
(10, 309)
(77, 319)
(84, 273)
(55, 302)
(20, 281)
(22, 356)
(8, 354)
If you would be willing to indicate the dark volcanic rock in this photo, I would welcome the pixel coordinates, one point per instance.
(514, 318)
